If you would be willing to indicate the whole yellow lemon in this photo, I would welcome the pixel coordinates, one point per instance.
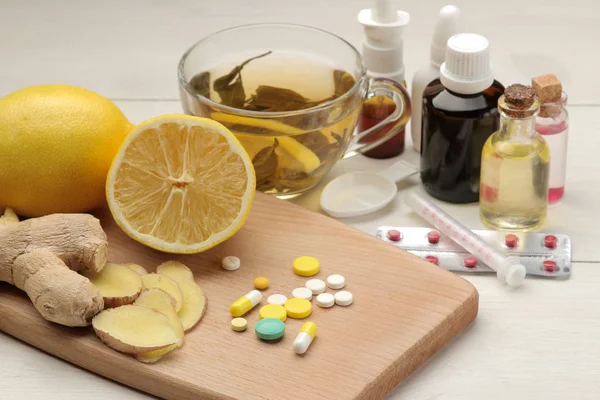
(57, 143)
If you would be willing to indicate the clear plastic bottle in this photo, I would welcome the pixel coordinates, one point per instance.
(553, 124)
(515, 166)
(460, 112)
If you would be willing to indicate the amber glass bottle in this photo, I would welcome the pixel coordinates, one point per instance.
(459, 114)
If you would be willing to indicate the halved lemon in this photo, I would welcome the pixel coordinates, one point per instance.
(180, 184)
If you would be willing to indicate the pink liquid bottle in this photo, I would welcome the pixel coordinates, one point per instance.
(553, 124)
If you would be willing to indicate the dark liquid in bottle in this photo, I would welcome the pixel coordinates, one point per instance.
(454, 130)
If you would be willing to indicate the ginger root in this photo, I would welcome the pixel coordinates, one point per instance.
(194, 299)
(135, 268)
(134, 329)
(9, 217)
(41, 255)
(117, 284)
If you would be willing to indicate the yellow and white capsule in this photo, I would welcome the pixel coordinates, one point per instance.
(245, 303)
(305, 337)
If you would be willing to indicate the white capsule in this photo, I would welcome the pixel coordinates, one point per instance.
(230, 263)
(302, 293)
(336, 281)
(343, 298)
(325, 300)
(305, 337)
(317, 286)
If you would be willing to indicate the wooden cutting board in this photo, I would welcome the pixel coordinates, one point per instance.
(405, 309)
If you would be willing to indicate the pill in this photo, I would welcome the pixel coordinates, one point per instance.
(325, 300)
(470, 262)
(394, 235)
(550, 241)
(549, 266)
(432, 259)
(343, 298)
(511, 240)
(306, 266)
(245, 303)
(317, 286)
(230, 263)
(273, 311)
(261, 283)
(433, 237)
(277, 299)
(269, 329)
(303, 293)
(239, 324)
(298, 308)
(336, 281)
(305, 337)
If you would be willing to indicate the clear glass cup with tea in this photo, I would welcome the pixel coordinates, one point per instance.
(292, 95)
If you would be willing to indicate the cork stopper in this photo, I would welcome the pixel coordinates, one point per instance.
(518, 101)
(549, 89)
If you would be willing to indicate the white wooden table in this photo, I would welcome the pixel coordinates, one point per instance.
(539, 342)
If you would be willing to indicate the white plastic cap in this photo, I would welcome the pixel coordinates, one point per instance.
(447, 26)
(511, 272)
(467, 69)
(383, 47)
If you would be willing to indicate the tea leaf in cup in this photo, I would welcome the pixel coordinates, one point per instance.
(342, 81)
(318, 143)
(265, 165)
(201, 83)
(230, 87)
(272, 98)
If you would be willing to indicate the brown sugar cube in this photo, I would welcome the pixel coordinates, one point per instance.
(547, 87)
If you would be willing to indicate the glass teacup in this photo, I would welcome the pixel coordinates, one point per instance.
(297, 101)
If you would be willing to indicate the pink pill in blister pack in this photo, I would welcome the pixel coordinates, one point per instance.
(542, 254)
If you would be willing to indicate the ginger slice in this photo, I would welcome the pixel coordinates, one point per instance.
(9, 217)
(159, 300)
(135, 268)
(194, 299)
(134, 329)
(117, 284)
(165, 283)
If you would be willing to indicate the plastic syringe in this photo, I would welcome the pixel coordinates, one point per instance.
(508, 269)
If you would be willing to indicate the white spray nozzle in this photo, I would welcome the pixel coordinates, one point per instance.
(508, 269)
(382, 47)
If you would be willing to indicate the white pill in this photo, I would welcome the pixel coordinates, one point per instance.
(336, 281)
(230, 263)
(277, 299)
(325, 300)
(316, 286)
(343, 298)
(302, 293)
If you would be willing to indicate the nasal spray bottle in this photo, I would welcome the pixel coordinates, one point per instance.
(447, 26)
(382, 54)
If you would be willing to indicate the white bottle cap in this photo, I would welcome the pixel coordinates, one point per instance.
(447, 26)
(467, 69)
(383, 46)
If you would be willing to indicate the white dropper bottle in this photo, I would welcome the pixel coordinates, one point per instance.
(447, 26)
(383, 45)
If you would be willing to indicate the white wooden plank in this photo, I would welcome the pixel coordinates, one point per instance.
(130, 49)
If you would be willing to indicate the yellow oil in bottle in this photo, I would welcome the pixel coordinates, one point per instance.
(514, 173)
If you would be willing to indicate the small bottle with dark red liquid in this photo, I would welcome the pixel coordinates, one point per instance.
(553, 124)
(459, 114)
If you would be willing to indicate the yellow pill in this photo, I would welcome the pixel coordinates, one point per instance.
(273, 311)
(298, 308)
(261, 283)
(306, 266)
(239, 324)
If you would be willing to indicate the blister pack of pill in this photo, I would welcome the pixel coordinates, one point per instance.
(542, 254)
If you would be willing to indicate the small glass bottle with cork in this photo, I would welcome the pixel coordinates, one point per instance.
(553, 124)
(459, 115)
(515, 166)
